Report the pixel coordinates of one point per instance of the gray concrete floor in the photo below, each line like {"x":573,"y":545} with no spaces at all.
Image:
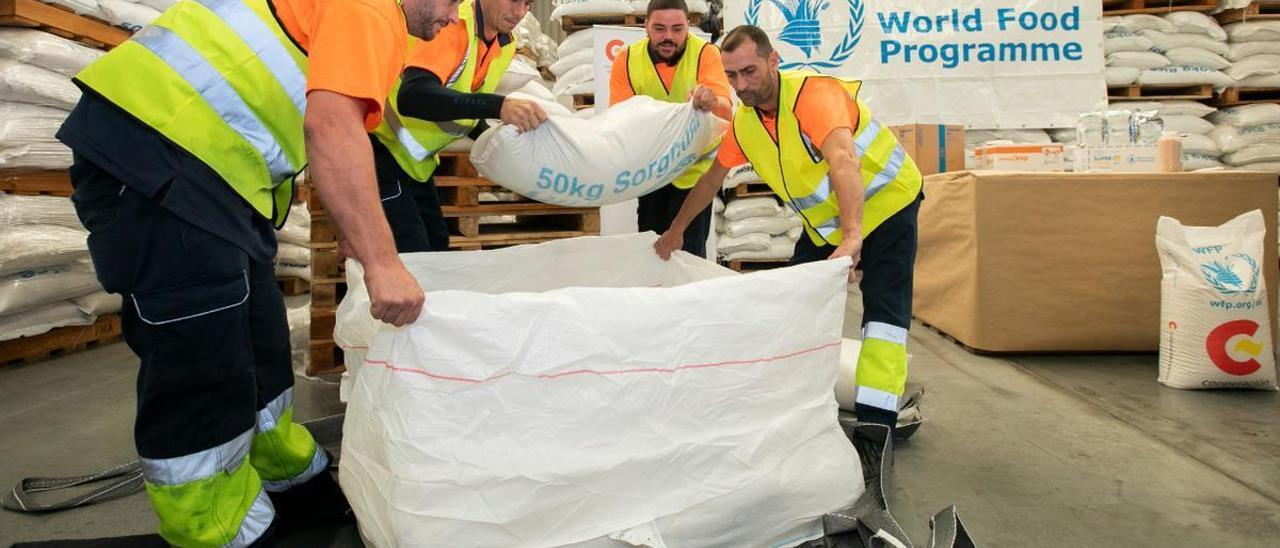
{"x":1034,"y":451}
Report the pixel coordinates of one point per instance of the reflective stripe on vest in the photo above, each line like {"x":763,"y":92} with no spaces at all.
{"x":798,"y":174}
{"x":219,"y":94}
{"x":415,"y":143}
{"x":223,"y":82}
{"x":644,"y":78}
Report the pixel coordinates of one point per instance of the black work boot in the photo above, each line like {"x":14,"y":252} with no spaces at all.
{"x":318,"y":502}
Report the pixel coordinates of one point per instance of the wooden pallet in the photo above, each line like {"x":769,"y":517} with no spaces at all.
{"x":753,"y":265}
{"x":1232,"y":97}
{"x":28,"y":182}
{"x":474,"y":191}
{"x":61,"y":341}
{"x":292,"y":286}
{"x":747,"y":190}
{"x":61,"y":22}
{"x":455,"y":164}
{"x":325,"y":358}
{"x":1129,"y":7}
{"x":1136,"y":92}
{"x":574,"y":23}
{"x":1257,"y":11}
{"x":505,"y":217}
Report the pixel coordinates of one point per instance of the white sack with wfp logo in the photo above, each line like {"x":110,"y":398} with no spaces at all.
{"x":627,"y":151}
{"x":585,"y":393}
{"x":1215,"y":321}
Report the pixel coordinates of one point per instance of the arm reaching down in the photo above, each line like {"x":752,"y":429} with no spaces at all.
{"x":698,"y":199}
{"x":341,"y":166}
{"x":846,"y":181}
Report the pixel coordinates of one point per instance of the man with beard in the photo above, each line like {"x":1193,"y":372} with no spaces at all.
{"x":670,"y":65}
{"x":187,"y":141}
{"x":445,"y":93}
{"x":815,"y":143}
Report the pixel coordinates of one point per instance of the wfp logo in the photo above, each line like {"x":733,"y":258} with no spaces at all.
{"x":803,"y":29}
{"x":1232,"y":276}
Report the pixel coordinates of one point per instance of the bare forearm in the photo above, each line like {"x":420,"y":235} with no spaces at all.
{"x":341,"y":164}
{"x":846,"y":180}
{"x":723,"y":108}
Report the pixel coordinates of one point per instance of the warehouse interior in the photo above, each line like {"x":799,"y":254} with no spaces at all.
{"x":1087,"y":198}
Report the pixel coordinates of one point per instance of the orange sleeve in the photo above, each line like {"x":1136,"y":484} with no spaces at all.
{"x":442,"y":55}
{"x":824,"y":106}
{"x":711,"y":72}
{"x":357,"y":49}
{"x":730,"y":155}
{"x":619,"y":82}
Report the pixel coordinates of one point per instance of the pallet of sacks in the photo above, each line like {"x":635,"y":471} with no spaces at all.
{"x":754,"y":231}
{"x":47,"y":281}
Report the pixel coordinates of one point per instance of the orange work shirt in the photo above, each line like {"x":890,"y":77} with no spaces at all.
{"x":354,"y":47}
{"x":710,"y":74}
{"x":822,"y":107}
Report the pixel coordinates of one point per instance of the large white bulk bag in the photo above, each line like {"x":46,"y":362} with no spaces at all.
{"x":1241,"y":50}
{"x":1187,"y":124}
{"x":1121,"y":76}
{"x":1232,"y":139}
{"x":591,"y":7}
{"x":1213,"y":305}
{"x":1165,"y":41}
{"x":629,"y":150}
{"x":1191,"y":22}
{"x":36,"y":156}
{"x":1196,"y":57}
{"x":585,"y":389}
{"x":750,"y":242}
{"x":293,"y":260}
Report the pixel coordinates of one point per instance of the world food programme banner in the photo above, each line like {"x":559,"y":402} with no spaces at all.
{"x":981,"y":63}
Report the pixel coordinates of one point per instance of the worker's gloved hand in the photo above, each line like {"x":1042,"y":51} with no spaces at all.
{"x":394,"y":294}
{"x":702,"y":98}
{"x":522,"y":113}
{"x":850,"y":246}
{"x":670,"y":241}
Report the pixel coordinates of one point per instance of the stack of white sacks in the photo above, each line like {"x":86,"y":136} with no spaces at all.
{"x":1179,"y":48}
{"x":46,"y":278}
{"x":1254,"y":51}
{"x":1249,"y":136}
{"x":293,"y":257}
{"x":36,"y":95}
{"x":755,"y":228}
{"x":574,"y":69}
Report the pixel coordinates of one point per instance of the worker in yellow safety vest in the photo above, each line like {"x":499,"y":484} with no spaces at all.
{"x":445,"y":94}
{"x":186,"y":143}
{"x":815,"y":144}
{"x":672,"y":66}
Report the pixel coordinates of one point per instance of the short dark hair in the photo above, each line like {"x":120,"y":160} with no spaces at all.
{"x":744,"y":33}
{"x":655,"y":5}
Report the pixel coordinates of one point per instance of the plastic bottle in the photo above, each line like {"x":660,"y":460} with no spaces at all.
{"x":1169,"y":153}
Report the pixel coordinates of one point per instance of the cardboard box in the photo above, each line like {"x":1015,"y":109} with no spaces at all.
{"x":1021,"y":157}
{"x":1116,"y":159}
{"x":936,"y":148}
{"x":1049,"y":262}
